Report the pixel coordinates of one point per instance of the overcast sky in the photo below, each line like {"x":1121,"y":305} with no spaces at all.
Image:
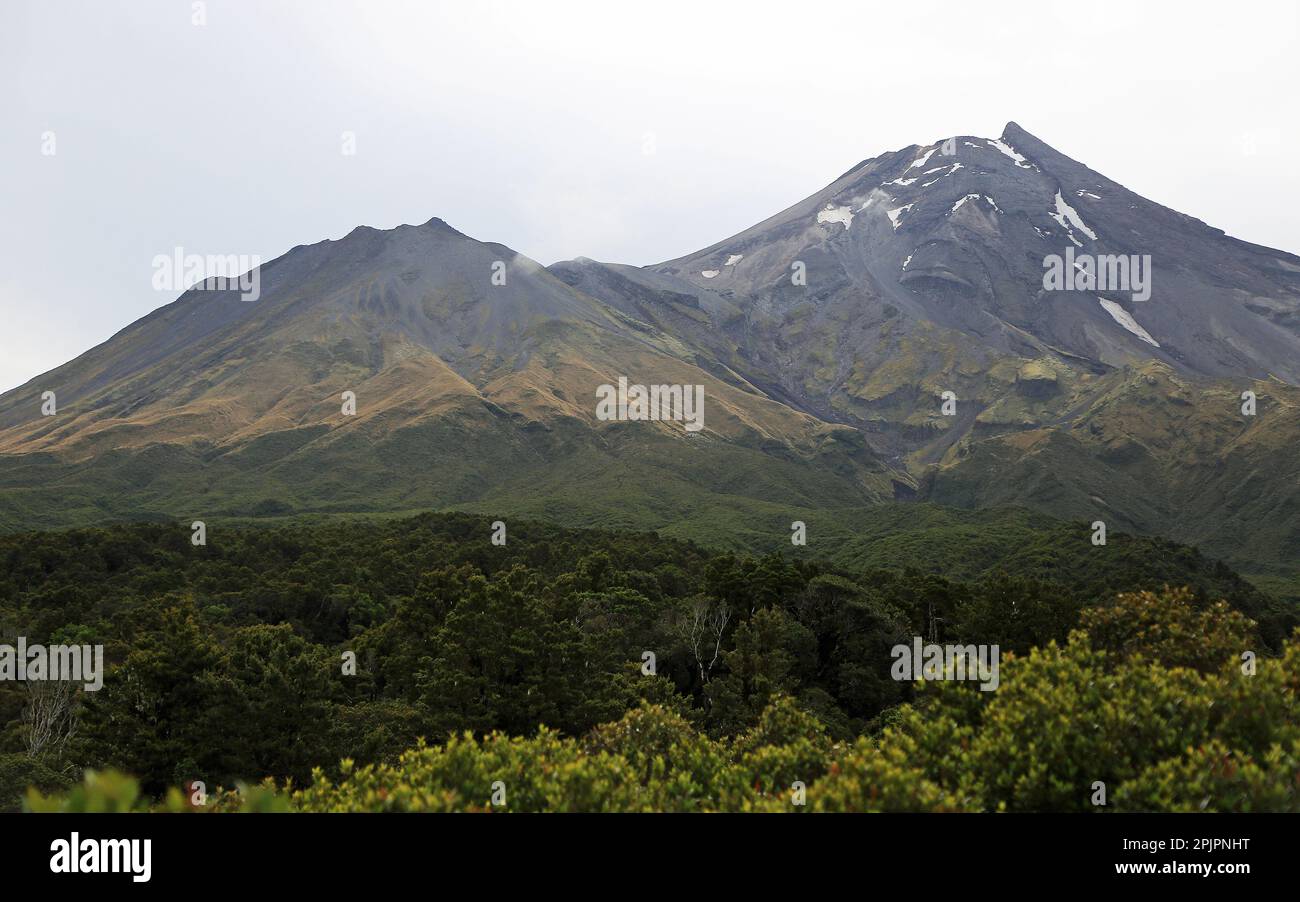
{"x":625,"y":132}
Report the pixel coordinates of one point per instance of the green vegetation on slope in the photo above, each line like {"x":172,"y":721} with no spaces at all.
{"x":227,"y":661}
{"x":1143,"y":709}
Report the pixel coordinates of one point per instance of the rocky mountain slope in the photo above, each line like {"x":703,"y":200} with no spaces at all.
{"x":474,"y":373}
{"x":825,"y":339}
{"x":924,"y":273}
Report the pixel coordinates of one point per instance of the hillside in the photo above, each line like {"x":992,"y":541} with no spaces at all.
{"x":824,"y":341}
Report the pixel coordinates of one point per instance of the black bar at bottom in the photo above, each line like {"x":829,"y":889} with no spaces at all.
{"x":336,"y":851}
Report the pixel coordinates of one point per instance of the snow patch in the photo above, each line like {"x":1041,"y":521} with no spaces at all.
{"x":894,"y":215}
{"x":991,"y":203}
{"x":836,"y":214}
{"x":907,"y":261}
{"x":734,"y":259}
{"x":1012,"y":153}
{"x":1125,"y":319}
{"x":951,"y":169}
{"x":903,"y":182}
{"x":1082,"y":193}
{"x":922,"y":160}
{"x":1069,"y":220}
{"x":709,"y":273}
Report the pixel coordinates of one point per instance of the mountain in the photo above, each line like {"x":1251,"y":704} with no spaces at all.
{"x":466,"y":390}
{"x":824,"y":338}
{"x":925,"y":274}
{"x":951,"y":238}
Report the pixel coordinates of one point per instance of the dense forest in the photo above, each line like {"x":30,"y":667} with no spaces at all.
{"x":416,"y":665}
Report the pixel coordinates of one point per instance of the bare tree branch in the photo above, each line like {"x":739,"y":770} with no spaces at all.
{"x":49,"y":720}
{"x":706,"y":625}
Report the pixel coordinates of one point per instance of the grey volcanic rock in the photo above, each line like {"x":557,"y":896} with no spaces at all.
{"x":925,"y":274}
{"x":959,"y":241}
